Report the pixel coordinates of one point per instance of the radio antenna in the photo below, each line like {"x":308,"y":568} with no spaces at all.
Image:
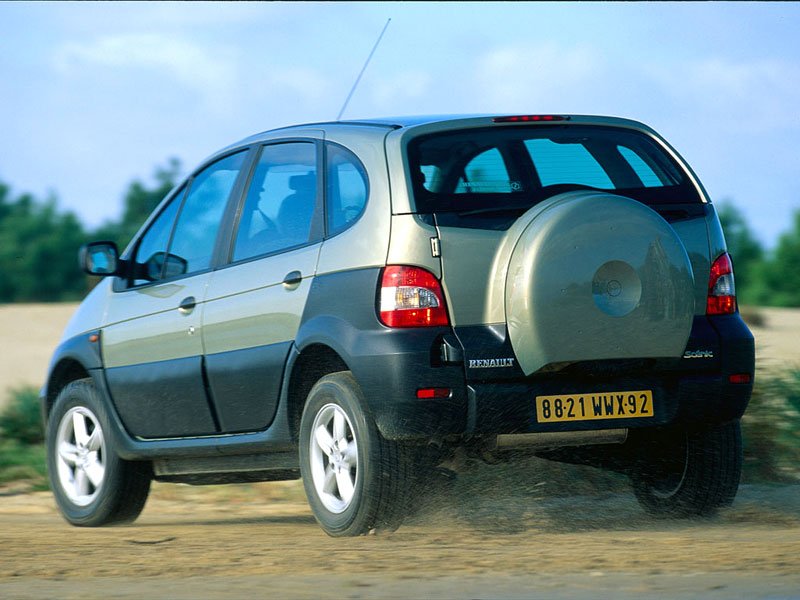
{"x":364,"y":68}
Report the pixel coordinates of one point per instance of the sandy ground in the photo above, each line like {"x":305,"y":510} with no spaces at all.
{"x":778,"y":340}
{"x":201,"y":543}
{"x":28,"y":335}
{"x":260,"y":540}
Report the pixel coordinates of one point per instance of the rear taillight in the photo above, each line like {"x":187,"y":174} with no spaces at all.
{"x":721,"y":289}
{"x":411,"y":297}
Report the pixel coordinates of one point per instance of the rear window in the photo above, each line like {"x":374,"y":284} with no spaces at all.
{"x":516,"y":167}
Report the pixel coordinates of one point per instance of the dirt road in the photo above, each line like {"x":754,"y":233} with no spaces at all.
{"x":254,"y":541}
{"x":261,"y":541}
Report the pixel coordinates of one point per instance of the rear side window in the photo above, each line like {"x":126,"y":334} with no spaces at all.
{"x":346,"y":188}
{"x":516,"y":167}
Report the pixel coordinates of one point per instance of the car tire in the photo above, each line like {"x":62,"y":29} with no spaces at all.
{"x":355,"y":480}
{"x":695,"y":473}
{"x":92,"y":485}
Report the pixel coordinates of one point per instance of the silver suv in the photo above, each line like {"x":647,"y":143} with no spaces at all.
{"x":355,"y":302}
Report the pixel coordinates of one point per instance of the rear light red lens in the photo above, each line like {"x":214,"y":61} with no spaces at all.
{"x":431,"y":393}
{"x":411,"y":297}
{"x":530,"y":118}
{"x":740,"y":378}
{"x":721,"y":288}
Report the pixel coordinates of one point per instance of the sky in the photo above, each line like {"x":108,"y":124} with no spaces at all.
{"x":94,"y":95}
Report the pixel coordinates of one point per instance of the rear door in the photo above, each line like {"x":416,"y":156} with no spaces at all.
{"x":254,"y":305}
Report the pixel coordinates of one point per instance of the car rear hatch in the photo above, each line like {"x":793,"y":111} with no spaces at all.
{"x":560,"y":239}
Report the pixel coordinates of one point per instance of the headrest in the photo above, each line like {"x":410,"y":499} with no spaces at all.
{"x":303,"y":183}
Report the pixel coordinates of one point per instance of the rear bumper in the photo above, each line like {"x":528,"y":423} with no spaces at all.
{"x":689,"y":400}
{"x":693,"y":390}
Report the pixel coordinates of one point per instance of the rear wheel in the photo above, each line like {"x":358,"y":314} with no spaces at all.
{"x":92,"y":485}
{"x":690,"y":473}
{"x":354,"y":479}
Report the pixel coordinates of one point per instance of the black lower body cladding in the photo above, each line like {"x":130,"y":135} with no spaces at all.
{"x":702,"y":387}
{"x":391,"y":365}
{"x":711,"y":383}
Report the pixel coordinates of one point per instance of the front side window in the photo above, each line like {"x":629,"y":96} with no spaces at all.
{"x":281,"y":204}
{"x":152,"y":248}
{"x":195,"y":233}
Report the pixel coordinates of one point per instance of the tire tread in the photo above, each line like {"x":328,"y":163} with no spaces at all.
{"x":714,"y":468}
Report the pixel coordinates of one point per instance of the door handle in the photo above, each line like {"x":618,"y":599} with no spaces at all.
{"x":292,"y":279}
{"x":187,"y":305}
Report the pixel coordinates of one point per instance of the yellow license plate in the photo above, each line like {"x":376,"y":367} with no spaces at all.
{"x":593,"y":406}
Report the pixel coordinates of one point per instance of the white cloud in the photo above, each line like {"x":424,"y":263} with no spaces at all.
{"x":209,"y":71}
{"x":536,"y":75}
{"x":753,"y":95}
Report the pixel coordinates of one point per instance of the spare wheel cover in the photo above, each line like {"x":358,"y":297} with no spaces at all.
{"x":597,"y":276}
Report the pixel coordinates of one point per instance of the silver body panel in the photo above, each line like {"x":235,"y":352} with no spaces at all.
{"x":145,"y":325}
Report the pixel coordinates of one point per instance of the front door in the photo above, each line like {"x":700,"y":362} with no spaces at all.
{"x":152,"y":345}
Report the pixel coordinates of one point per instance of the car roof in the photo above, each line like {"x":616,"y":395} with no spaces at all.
{"x":413,"y":124}
{"x":379,"y":122}
{"x":409,"y":121}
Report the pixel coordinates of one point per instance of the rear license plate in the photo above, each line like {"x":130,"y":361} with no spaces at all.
{"x":593,"y":406}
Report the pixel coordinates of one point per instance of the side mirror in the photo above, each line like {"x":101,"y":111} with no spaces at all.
{"x":100,"y":258}
{"x":162,"y":266}
{"x":175,"y":265}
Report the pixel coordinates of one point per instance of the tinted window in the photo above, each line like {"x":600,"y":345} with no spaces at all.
{"x":504,"y":168}
{"x":566,"y":163}
{"x":279,"y":210}
{"x":346,"y":189}
{"x":643,"y":171}
{"x":153,"y":244}
{"x":485,"y":173}
{"x":198,"y":223}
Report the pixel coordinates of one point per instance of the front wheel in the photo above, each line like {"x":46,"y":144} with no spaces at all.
{"x":92,"y":485}
{"x":354,"y":479}
{"x":689,"y":472}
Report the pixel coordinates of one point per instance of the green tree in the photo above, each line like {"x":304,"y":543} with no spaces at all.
{"x":139,"y":201}
{"x":38,"y":245}
{"x":745,"y":250}
{"x":782,"y":272}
